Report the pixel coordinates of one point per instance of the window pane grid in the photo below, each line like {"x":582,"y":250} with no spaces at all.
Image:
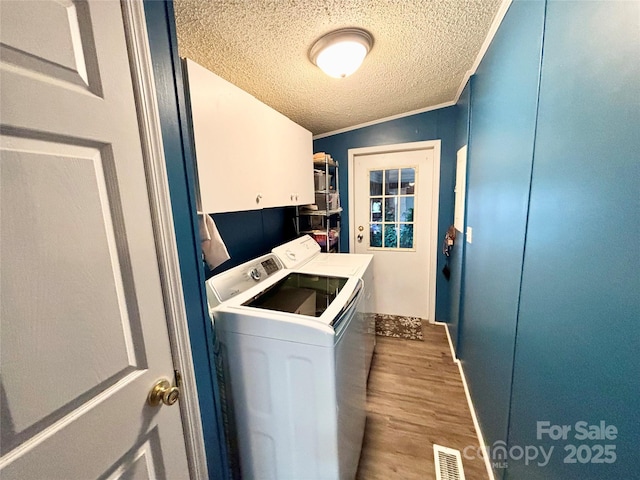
{"x":391,"y":208}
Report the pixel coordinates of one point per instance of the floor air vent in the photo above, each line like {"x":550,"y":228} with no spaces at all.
{"x":448,"y":463}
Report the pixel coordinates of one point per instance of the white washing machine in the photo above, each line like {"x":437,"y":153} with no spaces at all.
{"x":292,"y":353}
{"x":303,"y":255}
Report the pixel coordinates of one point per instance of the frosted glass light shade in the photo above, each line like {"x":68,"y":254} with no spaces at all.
{"x":340,"y":53}
{"x":341,"y":59}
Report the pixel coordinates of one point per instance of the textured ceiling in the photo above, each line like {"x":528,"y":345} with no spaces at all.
{"x":422,"y":50}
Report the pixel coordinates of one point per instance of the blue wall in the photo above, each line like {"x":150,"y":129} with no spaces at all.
{"x":578,"y":330}
{"x":178,"y":154}
{"x":456,"y":255}
{"x":253,"y":233}
{"x":433,"y":125}
{"x":549,"y":322}
{"x":504,"y":95}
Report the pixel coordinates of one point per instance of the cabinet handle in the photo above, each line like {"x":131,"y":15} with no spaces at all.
{"x":258,"y":198}
{"x":292,"y":196}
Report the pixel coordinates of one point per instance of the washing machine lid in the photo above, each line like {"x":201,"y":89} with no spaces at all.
{"x":300,"y":293}
{"x":297,"y":252}
{"x":325,"y":264}
{"x":237,"y":313}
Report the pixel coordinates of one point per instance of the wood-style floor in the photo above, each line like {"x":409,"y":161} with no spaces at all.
{"x":415,"y":398}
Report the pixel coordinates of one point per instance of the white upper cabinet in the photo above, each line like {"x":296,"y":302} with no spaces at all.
{"x":290,"y":164}
{"x":249,"y":156}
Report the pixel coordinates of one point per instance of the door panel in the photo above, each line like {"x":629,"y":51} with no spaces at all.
{"x":58,"y":48}
{"x":393,"y":194}
{"x":83,"y":327}
{"x":139,"y":464}
{"x":51,"y":187}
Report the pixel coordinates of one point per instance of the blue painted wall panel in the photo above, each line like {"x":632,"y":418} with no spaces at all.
{"x":578,"y":329}
{"x":503,"y":113}
{"x":434,"y":125}
{"x":252,"y":233}
{"x":456,"y":254}
{"x":178,"y":156}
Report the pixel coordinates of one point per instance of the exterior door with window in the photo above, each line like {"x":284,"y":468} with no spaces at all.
{"x":394,"y":205}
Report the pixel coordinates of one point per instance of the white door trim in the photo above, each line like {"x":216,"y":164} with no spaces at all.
{"x":433,"y":240}
{"x":163,"y":227}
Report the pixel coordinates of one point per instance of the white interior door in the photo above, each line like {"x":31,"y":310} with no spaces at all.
{"x":83,"y":326}
{"x":394,"y":200}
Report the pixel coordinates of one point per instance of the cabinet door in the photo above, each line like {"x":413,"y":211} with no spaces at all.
{"x":289,"y":180}
{"x":300,"y":164}
{"x":249,"y":156}
{"x":227,"y":127}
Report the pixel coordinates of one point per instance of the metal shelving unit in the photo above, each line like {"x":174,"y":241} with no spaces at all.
{"x":323,"y":224}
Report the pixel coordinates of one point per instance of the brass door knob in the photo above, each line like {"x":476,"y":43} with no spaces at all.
{"x":163,"y":392}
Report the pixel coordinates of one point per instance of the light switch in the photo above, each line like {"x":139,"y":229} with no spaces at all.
{"x":469,"y":235}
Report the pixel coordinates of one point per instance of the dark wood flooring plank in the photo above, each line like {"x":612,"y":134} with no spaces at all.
{"x":415,"y":398}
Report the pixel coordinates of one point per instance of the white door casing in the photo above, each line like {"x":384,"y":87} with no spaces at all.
{"x":405,"y":277}
{"x":86,"y":288}
{"x":460,"y":189}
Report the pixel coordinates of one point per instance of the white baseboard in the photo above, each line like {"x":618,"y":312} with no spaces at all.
{"x":483,"y":445}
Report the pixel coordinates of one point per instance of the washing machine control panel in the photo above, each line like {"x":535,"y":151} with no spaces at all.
{"x":239,"y":279}
{"x":263,"y":269}
{"x":270,"y":266}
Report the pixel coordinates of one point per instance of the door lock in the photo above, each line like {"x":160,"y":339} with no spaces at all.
{"x":360,"y":238}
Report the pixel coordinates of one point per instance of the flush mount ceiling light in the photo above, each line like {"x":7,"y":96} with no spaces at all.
{"x":340,"y":53}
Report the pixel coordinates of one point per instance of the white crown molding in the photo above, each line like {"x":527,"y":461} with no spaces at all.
{"x":382,"y":120}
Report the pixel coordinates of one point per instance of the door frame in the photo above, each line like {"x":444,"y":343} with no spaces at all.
{"x":163,"y":227}
{"x":434,"y":145}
